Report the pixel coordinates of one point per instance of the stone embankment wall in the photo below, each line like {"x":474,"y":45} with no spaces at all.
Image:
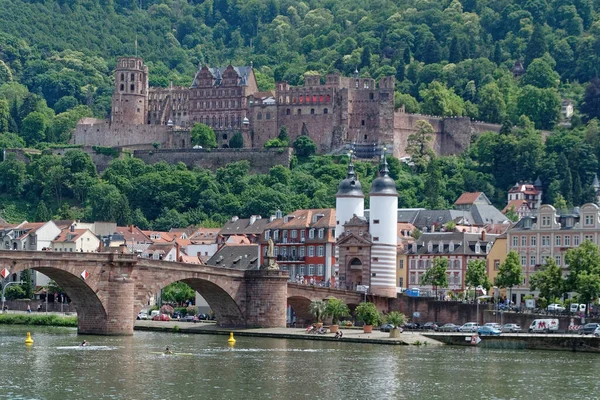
{"x":261,"y":161}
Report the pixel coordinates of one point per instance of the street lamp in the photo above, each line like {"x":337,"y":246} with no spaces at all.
{"x":4,"y":288}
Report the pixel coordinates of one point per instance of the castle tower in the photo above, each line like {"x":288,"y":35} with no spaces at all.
{"x":349,"y":201}
{"x":596,"y":186}
{"x":383,"y":225}
{"x":130,"y":98}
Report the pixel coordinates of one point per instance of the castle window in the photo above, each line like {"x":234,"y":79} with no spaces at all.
{"x":268,"y":115}
{"x":122,"y":77}
{"x":375,"y":221}
{"x":288,"y":111}
{"x":299,"y":112}
{"x":301,"y":99}
{"x":294,"y":100}
{"x":321,"y":98}
{"x":325,"y":111}
{"x":328,"y":98}
{"x":307,"y":98}
{"x":259,"y":116}
{"x":366,"y":137}
{"x":362,"y":122}
{"x":314,"y":98}
{"x":132,"y":88}
{"x":122,"y":87}
{"x":312,"y":110}
{"x":366,"y":85}
{"x":370,"y":96}
{"x":132,"y":77}
{"x":224,"y":136}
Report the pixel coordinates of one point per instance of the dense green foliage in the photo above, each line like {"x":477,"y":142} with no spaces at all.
{"x":37,"y":319}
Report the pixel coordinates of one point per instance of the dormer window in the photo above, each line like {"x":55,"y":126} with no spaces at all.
{"x":429,"y":247}
{"x":569,"y":221}
{"x":589,"y":220}
{"x":276,"y":234}
{"x":546,"y":220}
{"x":311,"y":233}
{"x":488,"y":248}
{"x":267,"y":234}
{"x":441,"y":247}
{"x":451,"y":247}
{"x":414,"y":247}
{"x":527,"y":223}
{"x":477,"y":248}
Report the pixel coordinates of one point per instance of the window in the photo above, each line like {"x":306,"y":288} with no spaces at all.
{"x":275,"y":234}
{"x":567,"y":240}
{"x":311,"y":251}
{"x":545,"y":241}
{"x":302,"y":234}
{"x":375,"y":221}
{"x":557,"y":259}
{"x":589,"y":220}
{"x":413,"y":278}
{"x":311,"y":269}
{"x":376,"y":238}
{"x":515,"y":241}
{"x":320,"y":251}
{"x":496,"y":265}
{"x":267,"y":234}
{"x":321,"y":233}
{"x":311,"y":233}
{"x":477,"y":248}
{"x":558,"y":240}
{"x":523,"y":261}
{"x":312,"y":111}
{"x":546,"y":220}
{"x":401,"y":264}
{"x":288,"y":111}
{"x":299,"y":111}
{"x":325,"y":111}
{"x":320,"y":270}
{"x":523,"y":241}
{"x":302,"y":270}
{"x":301,"y":252}
{"x":533,"y":241}
{"x":362,"y":122}
{"x":576,"y":240}
{"x":588,"y":237}
{"x":532,"y":260}
{"x":268,"y":115}
{"x":294,"y":234}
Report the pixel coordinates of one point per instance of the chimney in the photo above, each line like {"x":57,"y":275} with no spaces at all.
{"x":131,"y":228}
{"x":235,"y":218}
{"x":483,"y":236}
{"x":177,"y":251}
{"x":72,"y":228}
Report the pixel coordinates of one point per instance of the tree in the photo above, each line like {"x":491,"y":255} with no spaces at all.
{"x":540,"y":74}
{"x":27,"y":284}
{"x":537,"y":45}
{"x":33,"y":128}
{"x":436,"y":275}
{"x":441,"y":101}
{"x":433,"y":188}
{"x":418,"y":146}
{"x":304,"y":146}
{"x":12,"y":175}
{"x":549,"y":281}
{"x":476,"y":275}
{"x":108,"y":204}
{"x":203,"y":135}
{"x":178,"y":292}
{"x":236,"y":141}
{"x":367,"y":312}
{"x":4,"y":115}
{"x":542,"y":106}
{"x":336,"y":309}
{"x":283,"y":134}
{"x":584,"y":271}
{"x":591,"y":99}
{"x":411,"y":105}
{"x":317,"y":309}
{"x":510,"y":273}
{"x":42,"y":213}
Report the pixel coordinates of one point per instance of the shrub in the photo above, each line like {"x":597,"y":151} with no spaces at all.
{"x":367,"y":312}
{"x":336,"y":309}
{"x":36,"y":319}
{"x":167,"y":309}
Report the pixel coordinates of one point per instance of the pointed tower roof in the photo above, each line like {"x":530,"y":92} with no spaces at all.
{"x":350,"y":187}
{"x":383,"y":185}
{"x":596,"y":183}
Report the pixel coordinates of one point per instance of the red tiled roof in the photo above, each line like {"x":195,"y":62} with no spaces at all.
{"x":516,"y":204}
{"x":468,"y":198}
{"x":64,"y":235}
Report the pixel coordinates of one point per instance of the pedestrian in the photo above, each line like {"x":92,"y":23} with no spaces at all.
{"x":28,"y":308}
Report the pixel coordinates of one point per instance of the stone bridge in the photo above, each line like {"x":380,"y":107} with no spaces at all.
{"x":118,"y":286}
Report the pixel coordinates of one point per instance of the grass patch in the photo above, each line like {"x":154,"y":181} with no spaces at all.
{"x":43,"y":320}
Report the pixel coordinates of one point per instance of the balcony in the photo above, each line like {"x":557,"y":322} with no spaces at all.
{"x":290,"y":258}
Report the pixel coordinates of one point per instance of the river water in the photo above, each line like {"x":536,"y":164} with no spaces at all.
{"x":256,"y":368}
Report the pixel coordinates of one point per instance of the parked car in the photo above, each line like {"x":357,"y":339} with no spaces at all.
{"x":511,"y":328}
{"x":189,"y":318}
{"x":449,"y":327}
{"x":555,"y":308}
{"x":176,"y":315}
{"x":543,"y":326}
{"x":142,"y":315}
{"x":388,"y":328}
{"x":202,"y":317}
{"x":469,"y":327}
{"x":577,"y":308}
{"x":589,"y":329}
{"x":488,"y":331}
{"x":597,"y":332}
{"x":430,"y":326}
{"x":411,"y":326}
{"x":161,"y":317}
{"x":494,"y":325}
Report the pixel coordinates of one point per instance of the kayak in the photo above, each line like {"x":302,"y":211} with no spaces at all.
{"x":171,"y":354}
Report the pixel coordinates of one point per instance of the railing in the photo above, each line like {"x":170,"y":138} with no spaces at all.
{"x":290,"y":258}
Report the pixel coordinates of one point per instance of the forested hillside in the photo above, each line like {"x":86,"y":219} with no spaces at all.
{"x":448,"y":57}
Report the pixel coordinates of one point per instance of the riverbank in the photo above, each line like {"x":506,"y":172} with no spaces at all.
{"x":350,"y":335}
{"x":38,"y":319}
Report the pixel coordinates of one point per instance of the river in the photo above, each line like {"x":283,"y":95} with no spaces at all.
{"x":261,"y":368}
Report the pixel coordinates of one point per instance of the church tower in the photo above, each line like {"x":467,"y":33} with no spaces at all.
{"x":130,"y":98}
{"x":349,"y":201}
{"x":383,"y":227}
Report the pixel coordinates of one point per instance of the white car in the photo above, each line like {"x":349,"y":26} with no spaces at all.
{"x":494,"y":325}
{"x":469,"y":327}
{"x":597,"y":331}
{"x":142,"y":315}
{"x":556,"y":307}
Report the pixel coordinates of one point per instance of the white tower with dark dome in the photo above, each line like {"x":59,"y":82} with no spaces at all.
{"x":349,"y":201}
{"x":383,"y":222}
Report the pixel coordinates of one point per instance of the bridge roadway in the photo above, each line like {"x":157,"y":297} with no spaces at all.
{"x":109,"y":289}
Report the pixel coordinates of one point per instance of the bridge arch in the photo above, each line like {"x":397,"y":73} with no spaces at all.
{"x":227,"y":311}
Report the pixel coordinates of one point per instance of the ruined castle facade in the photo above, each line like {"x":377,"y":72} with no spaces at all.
{"x":334,"y":111}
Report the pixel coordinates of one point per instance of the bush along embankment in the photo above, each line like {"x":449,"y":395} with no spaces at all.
{"x":36,"y":319}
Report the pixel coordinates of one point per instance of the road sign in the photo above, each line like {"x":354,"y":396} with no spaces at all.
{"x":4,"y":273}
{"x":85,"y":274}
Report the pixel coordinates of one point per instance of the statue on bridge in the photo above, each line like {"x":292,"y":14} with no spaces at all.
{"x":270,"y":263}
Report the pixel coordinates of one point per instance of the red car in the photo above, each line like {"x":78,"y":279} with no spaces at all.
{"x":161,"y":317}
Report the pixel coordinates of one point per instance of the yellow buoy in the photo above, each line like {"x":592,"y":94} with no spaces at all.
{"x":231,"y":339}
{"x":28,"y":339}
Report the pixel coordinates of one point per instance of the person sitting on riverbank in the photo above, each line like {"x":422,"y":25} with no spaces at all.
{"x":310,"y":328}
{"x":338,"y":335}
